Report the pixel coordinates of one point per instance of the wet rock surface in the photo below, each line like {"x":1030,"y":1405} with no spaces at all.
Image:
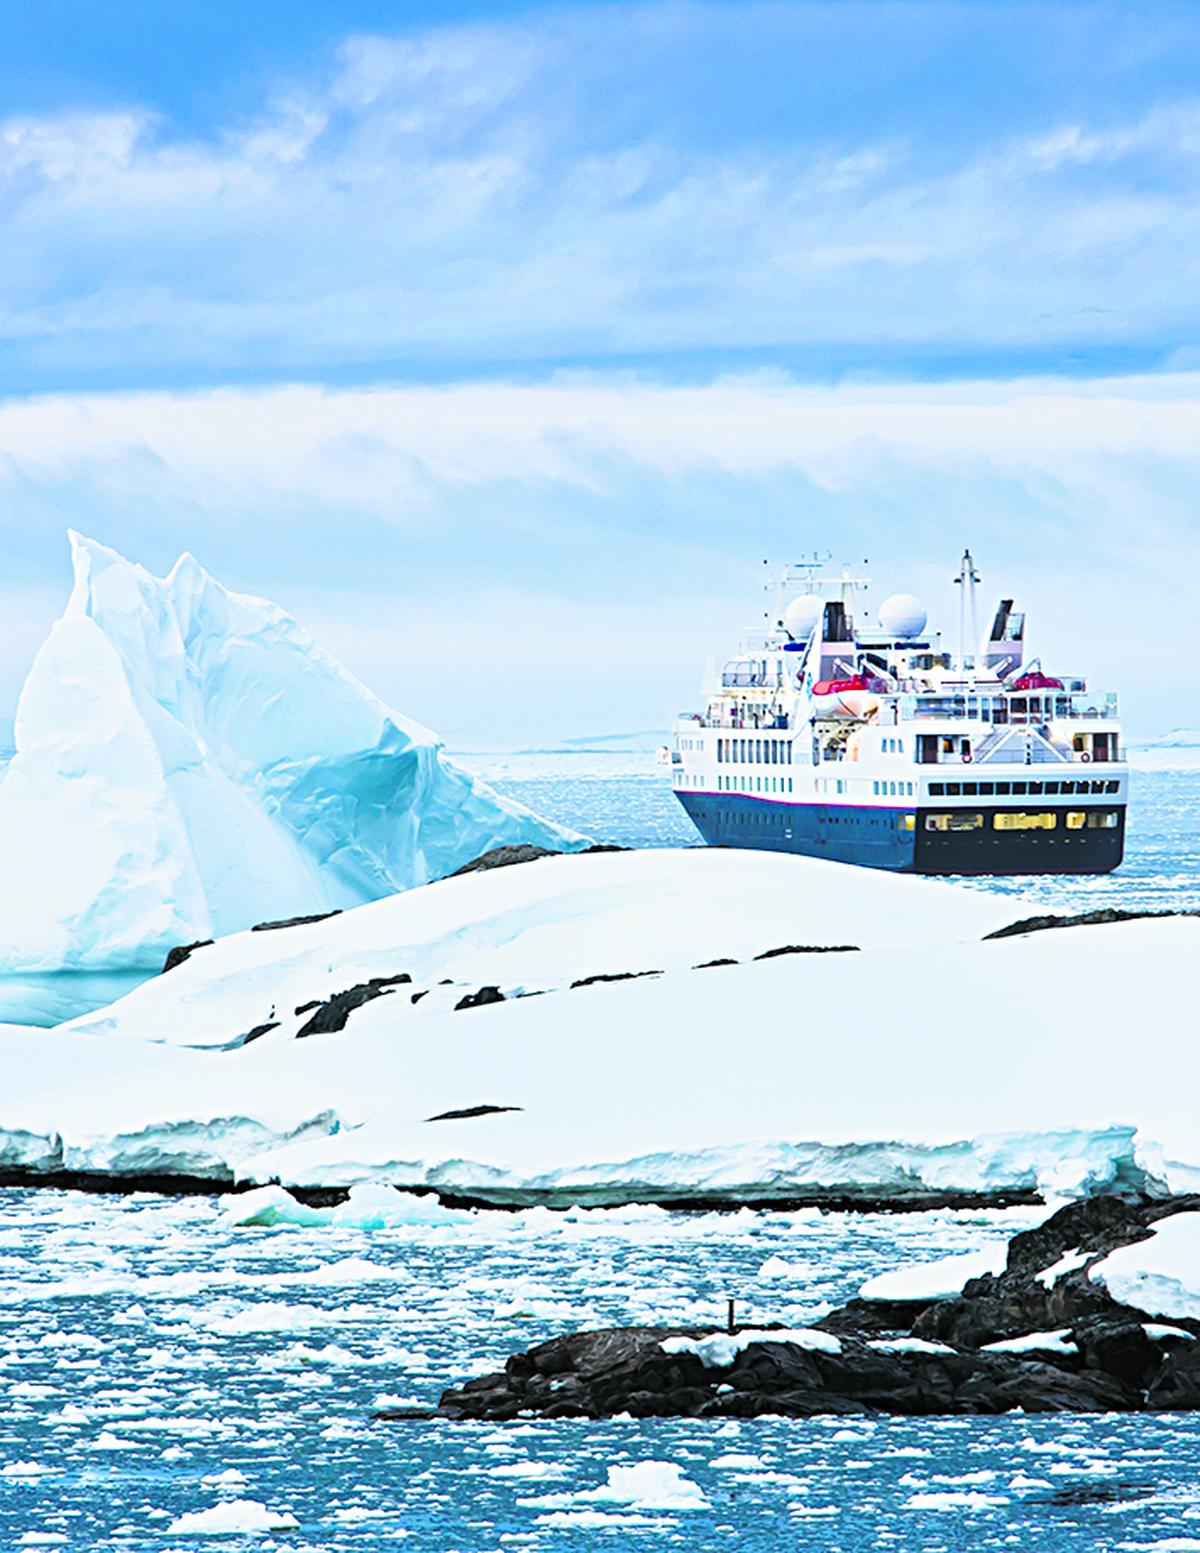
{"x":917,"y":1356}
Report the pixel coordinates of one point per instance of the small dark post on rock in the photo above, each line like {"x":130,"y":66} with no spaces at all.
{"x":731,"y":1303}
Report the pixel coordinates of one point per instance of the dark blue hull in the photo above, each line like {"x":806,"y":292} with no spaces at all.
{"x":900,"y":839}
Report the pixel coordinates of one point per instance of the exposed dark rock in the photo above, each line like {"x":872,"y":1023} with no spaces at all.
{"x":332,"y":1013}
{"x":317,"y":916}
{"x":709,"y":965}
{"x":504,"y":857}
{"x":253,"y":1035}
{"x":1083,"y":919}
{"x":181,"y":952}
{"x":479,"y":999}
{"x":470,"y":1111}
{"x":773,"y":954}
{"x":1111,"y":1363}
{"x":591,"y":981}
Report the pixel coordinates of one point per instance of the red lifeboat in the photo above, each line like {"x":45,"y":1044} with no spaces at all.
{"x":1036,"y":680}
{"x":836,"y":687}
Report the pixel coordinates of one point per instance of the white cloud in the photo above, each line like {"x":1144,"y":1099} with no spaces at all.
{"x":360,"y":447}
{"x":440,"y":196}
{"x":610,"y":529}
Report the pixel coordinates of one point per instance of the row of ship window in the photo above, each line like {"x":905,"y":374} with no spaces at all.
{"x":766,"y":752}
{"x":1004,"y":789}
{"x":889,"y":789}
{"x":728,"y":784}
{"x":1076,"y":819}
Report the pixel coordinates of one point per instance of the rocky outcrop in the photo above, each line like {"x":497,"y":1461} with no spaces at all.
{"x":1073,"y":1349}
{"x":330,"y":1014}
{"x":1099,"y":918}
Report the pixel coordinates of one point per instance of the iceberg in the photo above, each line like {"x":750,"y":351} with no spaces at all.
{"x":189,"y":762}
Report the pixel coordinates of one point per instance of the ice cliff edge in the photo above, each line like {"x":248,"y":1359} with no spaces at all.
{"x":189,"y":762}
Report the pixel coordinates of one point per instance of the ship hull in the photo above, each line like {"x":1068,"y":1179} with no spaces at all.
{"x":875,"y":837}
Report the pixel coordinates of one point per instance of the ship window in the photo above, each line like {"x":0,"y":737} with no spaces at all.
{"x":875,"y":788}
{"x":1076,"y":820}
{"x":970,"y":789}
{"x":986,"y":789}
{"x":959,"y":820}
{"x":937,"y":789}
{"x":1024,"y":821}
{"x":900,"y":745}
{"x":1003,"y":788}
{"x":789,"y":784}
{"x":1067,"y":787}
{"x":1111,"y":787}
{"x":1097,"y":787}
{"x":953,"y":789}
{"x":1102,"y":819}
{"x":1051,"y":787}
{"x":1019,"y":787}
{"x":906,"y":822}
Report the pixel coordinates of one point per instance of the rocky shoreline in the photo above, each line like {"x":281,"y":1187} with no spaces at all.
{"x":1043,"y":1335}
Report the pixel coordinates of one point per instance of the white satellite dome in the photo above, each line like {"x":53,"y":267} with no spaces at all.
{"x":902,"y":615}
{"x":801,"y":616}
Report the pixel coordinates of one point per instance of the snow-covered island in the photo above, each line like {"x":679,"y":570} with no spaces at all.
{"x":669,"y":1026}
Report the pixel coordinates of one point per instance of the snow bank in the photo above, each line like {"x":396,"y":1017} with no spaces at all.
{"x":944,"y":1279}
{"x":895,"y":1073}
{"x":189,"y":762}
{"x":718,"y":1350}
{"x":1161,"y":1275}
{"x":1058,"y":1342}
{"x":545,"y":924}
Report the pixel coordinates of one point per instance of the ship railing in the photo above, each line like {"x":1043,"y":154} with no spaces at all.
{"x":1007,"y":710}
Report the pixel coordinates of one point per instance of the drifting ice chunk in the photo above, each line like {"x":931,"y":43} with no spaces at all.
{"x":189,"y":762}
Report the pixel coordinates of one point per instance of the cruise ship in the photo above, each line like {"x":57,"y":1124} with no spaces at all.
{"x":875,"y":746}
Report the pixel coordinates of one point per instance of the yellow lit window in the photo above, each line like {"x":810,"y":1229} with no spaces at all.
{"x":908,"y":822}
{"x":1024,"y":821}
{"x":956,"y":821}
{"x":1076,"y":820}
{"x":1102,"y":819}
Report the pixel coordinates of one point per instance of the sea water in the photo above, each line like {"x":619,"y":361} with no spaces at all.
{"x":157,"y":1363}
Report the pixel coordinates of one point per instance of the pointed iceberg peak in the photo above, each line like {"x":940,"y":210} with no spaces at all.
{"x":190,"y":762}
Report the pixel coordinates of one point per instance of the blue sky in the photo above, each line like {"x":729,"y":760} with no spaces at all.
{"x":496,"y":335}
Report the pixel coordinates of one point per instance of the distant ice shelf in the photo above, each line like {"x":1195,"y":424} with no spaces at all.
{"x":190,"y":762}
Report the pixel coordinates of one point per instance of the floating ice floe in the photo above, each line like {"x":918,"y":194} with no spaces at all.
{"x":190,"y":762}
{"x":232,"y":1517}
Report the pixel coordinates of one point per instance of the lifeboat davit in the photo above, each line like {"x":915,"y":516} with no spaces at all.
{"x":851,"y":697}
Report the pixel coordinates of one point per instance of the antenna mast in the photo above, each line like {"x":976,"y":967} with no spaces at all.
{"x":967,"y":610}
